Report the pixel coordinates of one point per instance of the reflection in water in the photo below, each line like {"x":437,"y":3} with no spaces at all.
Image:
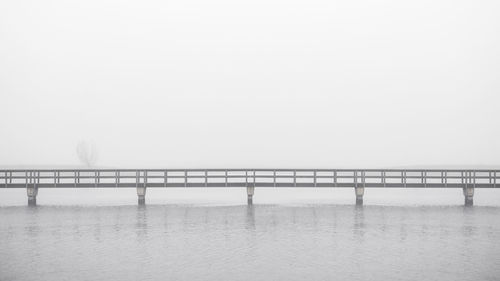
{"x":256,"y":242}
{"x":141,"y":222}
{"x":250,"y":217}
{"x":469,"y":229}
{"x":359,"y":223}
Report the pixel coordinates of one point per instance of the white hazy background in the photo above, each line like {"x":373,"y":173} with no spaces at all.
{"x":232,"y":84}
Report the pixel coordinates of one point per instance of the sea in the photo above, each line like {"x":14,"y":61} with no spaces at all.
{"x":212,"y":234}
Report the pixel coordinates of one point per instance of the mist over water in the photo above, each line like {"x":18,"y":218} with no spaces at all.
{"x":259,"y":242}
{"x":261,"y":84}
{"x":264,"y":84}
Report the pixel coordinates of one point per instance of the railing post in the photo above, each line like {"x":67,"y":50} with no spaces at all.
{"x":165,"y":178}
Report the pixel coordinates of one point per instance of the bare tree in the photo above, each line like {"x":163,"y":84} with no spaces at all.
{"x":87,"y":153}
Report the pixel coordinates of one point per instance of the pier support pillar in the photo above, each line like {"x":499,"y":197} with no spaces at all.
{"x":469,"y":195}
{"x":250,"y":192}
{"x":360,"y":191}
{"x":32,"y":192}
{"x":141,"y":195}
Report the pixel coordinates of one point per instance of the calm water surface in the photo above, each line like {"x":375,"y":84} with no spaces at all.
{"x":263,"y":242}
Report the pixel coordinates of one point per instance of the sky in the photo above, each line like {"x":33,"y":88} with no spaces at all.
{"x":250,"y":84}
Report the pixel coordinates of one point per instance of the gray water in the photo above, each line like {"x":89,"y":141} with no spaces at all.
{"x":260,"y":242}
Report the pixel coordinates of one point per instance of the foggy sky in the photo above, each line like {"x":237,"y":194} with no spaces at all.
{"x":271,"y":83}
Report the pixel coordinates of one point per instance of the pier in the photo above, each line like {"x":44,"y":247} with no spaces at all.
{"x":250,"y":179}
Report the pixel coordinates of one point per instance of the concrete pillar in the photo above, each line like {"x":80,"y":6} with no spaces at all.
{"x":32,"y":192}
{"x":250,"y":192}
{"x":141,"y":195}
{"x":469,"y":195}
{"x":360,"y":191}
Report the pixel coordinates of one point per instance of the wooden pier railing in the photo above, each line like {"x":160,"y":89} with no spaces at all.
{"x":250,"y":178}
